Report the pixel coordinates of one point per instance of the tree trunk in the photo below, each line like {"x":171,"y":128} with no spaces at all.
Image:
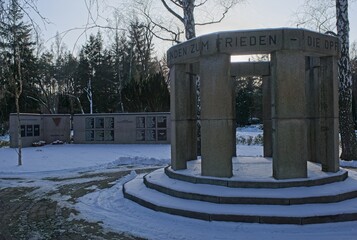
{"x":348,"y":136}
{"x":18,"y":92}
{"x":189,"y":19}
{"x":19,"y":138}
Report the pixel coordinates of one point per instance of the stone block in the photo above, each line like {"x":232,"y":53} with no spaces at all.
{"x":315,"y":42}
{"x":234,"y":218}
{"x":312,"y":140}
{"x":267,"y":138}
{"x":253,"y":42}
{"x":185,"y":52}
{"x":343,"y":217}
{"x":293,"y":39}
{"x":280,"y":220}
{"x":184,"y":213}
{"x":209,"y":44}
{"x":245,"y":69}
{"x":289,"y":148}
{"x":328,"y":106}
{"x":288,"y":84}
{"x":328,"y":144}
{"x":217,"y":92}
{"x":183,"y":143}
{"x":267,"y":111}
{"x":318,"y":199}
{"x":312,"y":86}
{"x":181,"y":177}
{"x":250,"y":42}
{"x":216,"y":148}
{"x":183,"y":93}
{"x":211,"y":181}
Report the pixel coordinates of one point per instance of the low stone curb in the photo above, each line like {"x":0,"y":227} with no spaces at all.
{"x":256,"y":184}
{"x":249,"y":200}
{"x":343,"y":217}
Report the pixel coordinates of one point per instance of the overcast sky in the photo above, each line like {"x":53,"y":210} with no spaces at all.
{"x":68,"y":14}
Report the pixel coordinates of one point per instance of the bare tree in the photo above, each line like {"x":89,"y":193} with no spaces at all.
{"x":319,"y":15}
{"x":15,"y":42}
{"x":12,"y":33}
{"x":187,"y":20}
{"x":186,"y":16}
{"x":348,"y":136}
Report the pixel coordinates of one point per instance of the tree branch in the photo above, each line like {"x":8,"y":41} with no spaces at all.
{"x":201,"y":3}
{"x":214,"y":21}
{"x":177,"y":3}
{"x":175,"y":34}
{"x":172,"y":11}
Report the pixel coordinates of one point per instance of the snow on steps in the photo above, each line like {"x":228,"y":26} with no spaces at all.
{"x":327,"y":193}
{"x":344,"y":210}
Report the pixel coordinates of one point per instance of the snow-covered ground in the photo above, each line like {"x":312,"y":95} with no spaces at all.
{"x":5,"y":138}
{"x":119,"y":214}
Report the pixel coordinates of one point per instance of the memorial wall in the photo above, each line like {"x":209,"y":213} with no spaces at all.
{"x":40,"y":127}
{"x":124,"y":128}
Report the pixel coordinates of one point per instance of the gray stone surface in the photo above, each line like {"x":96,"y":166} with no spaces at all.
{"x":183,"y":116}
{"x":288,"y":85}
{"x":300,"y":98}
{"x":40,"y":127}
{"x":217,"y":121}
{"x":122,"y":128}
{"x":245,"y":69}
{"x":192,"y":192}
{"x":218,"y":212}
{"x":289,"y":148}
{"x":253,"y":42}
{"x":183,"y":143}
{"x":290,"y":152}
{"x":267,"y":119}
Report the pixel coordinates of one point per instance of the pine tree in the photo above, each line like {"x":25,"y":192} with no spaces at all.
{"x":90,"y":59}
{"x":141,"y":46}
{"x":120,"y":66}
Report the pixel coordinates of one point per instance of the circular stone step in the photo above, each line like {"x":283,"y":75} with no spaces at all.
{"x":136,"y":190}
{"x":255,"y":172}
{"x":328,"y":193}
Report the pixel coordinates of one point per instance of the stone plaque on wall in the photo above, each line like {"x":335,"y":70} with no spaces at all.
{"x":161,"y":122}
{"x":140,"y":135}
{"x":90,"y":135}
{"x":99,"y":123}
{"x":140,"y":122}
{"x":29,"y":130}
{"x":162,"y":135}
{"x":150,"y":135}
{"x":99,"y":135}
{"x":150,"y":122}
{"x":23,"y":131}
{"x":36,"y":130}
{"x":109,"y":135}
{"x":109,"y":122}
{"x":89,"y":123}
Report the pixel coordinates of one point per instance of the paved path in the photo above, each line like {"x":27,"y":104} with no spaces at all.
{"x":25,"y":215}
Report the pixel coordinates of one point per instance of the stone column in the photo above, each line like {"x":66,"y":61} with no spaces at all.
{"x":328,"y":144}
{"x":183,"y":116}
{"x":217,"y":121}
{"x":289,"y":115}
{"x":312,"y":82}
{"x":267,"y":122}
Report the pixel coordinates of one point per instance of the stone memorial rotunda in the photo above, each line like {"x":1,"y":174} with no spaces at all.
{"x":298,"y":180}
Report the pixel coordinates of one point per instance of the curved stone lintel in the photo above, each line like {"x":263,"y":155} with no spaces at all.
{"x":254,"y":42}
